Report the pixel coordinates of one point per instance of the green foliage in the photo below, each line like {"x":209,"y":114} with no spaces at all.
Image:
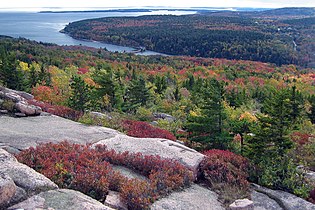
{"x":80,"y":97}
{"x":10,"y":75}
{"x":144,"y":114}
{"x":311,"y":113}
{"x":209,"y":127}
{"x":7,"y":105}
{"x":109,"y":85}
{"x":112,"y":120}
{"x":192,"y":35}
{"x":137,"y":94}
{"x":270,"y":135}
{"x":281,"y":173}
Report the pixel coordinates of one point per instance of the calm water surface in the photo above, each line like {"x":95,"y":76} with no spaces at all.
{"x":45,"y":27}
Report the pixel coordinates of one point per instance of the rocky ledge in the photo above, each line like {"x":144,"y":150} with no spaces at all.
{"x":17,"y":102}
{"x":23,"y":188}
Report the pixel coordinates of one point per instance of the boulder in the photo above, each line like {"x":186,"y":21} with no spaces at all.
{"x":154,"y":146}
{"x":242,"y":204}
{"x":59,"y":200}
{"x":27,"y":109}
{"x":285,"y":200}
{"x":7,"y":190}
{"x":20,"y":101}
{"x":164,"y":116}
{"x":23,"y":176}
{"x":100,"y":115}
{"x":310,"y":175}
{"x":25,"y":95}
{"x":113,"y":200}
{"x":192,"y":198}
{"x":13,"y":97}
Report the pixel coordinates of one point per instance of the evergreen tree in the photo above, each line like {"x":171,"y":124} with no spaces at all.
{"x":10,"y":76}
{"x":270,"y":136}
{"x":137,"y":94}
{"x":311,"y":113}
{"x":208,"y":127}
{"x":111,"y":86}
{"x":160,"y":83}
{"x":80,"y":97}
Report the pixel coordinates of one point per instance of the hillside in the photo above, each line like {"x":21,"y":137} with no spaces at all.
{"x":256,"y":118}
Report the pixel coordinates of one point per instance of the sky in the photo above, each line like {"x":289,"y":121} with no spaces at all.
{"x":28,"y":4}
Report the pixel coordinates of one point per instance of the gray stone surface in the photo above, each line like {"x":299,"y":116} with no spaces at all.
{"x":286,"y":200}
{"x":193,"y":198}
{"x":61,"y":199}
{"x":263,"y":202}
{"x":153,"y":146}
{"x":27,"y":109}
{"x":130,"y":174}
{"x":7,"y":190}
{"x":20,"y":101}
{"x":310,"y":175}
{"x":113,"y":200}
{"x":23,"y":176}
{"x":242,"y":204}
{"x":22,"y":133}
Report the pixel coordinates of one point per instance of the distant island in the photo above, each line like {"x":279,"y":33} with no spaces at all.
{"x":197,"y":9}
{"x":274,"y":36}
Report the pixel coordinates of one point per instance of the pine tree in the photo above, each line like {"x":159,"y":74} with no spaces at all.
{"x":137,"y":94}
{"x":270,"y":136}
{"x":80,"y":96}
{"x":311,"y":113}
{"x":208,"y":127}
{"x":11,"y":76}
{"x":110,"y":85}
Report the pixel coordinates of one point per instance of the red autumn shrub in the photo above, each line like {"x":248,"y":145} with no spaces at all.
{"x":301,"y":138}
{"x":89,"y":171}
{"x":137,"y":194}
{"x":145,"y":130}
{"x":226,"y":173}
{"x":224,"y":166}
{"x":70,"y":166}
{"x":61,"y":111}
{"x":165,"y":175}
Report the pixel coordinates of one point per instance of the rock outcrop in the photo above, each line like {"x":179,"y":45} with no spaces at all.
{"x":17,"y":101}
{"x":60,"y":199}
{"x":153,"y":146}
{"x":24,"y":188}
{"x":19,"y":181}
{"x":195,"y":197}
{"x":7,"y":190}
{"x":263,"y":202}
{"x":22,"y":133}
{"x":285,"y":200}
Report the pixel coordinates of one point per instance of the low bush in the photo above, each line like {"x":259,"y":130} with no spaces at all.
{"x":226,"y":173}
{"x":304,"y":151}
{"x":145,"y":130}
{"x":112,"y":120}
{"x":89,"y":171}
{"x":280,"y":173}
{"x":61,"y":111}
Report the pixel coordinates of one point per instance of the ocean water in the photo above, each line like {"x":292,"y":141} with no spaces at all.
{"x":45,"y":27}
